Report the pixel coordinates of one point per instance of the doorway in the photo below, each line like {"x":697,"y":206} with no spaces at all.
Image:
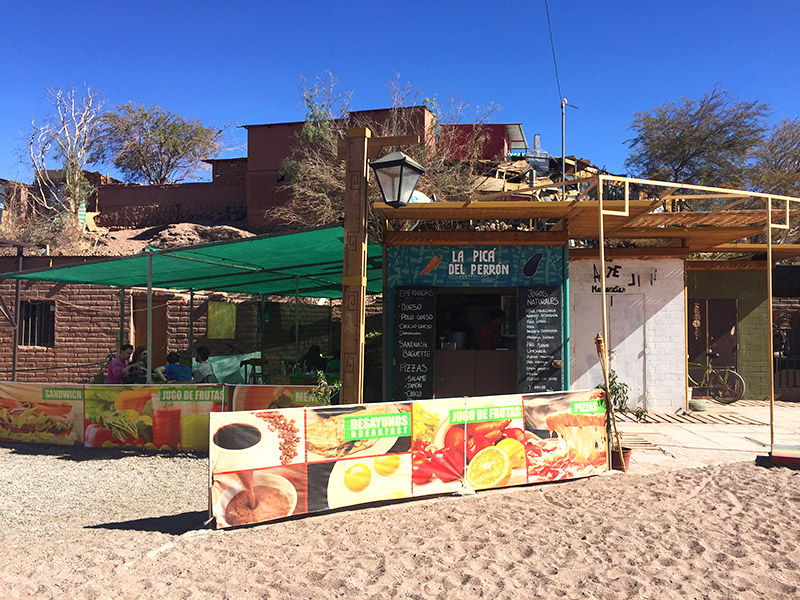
{"x":158,"y":352}
{"x":712,"y":332}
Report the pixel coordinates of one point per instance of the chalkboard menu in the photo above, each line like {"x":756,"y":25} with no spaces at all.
{"x":539,"y":339}
{"x":414,"y":343}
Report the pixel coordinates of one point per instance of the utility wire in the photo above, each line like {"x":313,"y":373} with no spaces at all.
{"x":553,"y":48}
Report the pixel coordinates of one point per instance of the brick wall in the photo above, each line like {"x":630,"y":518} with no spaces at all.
{"x":654,"y":366}
{"x":86,"y":329}
{"x":231,"y":171}
{"x":87,"y":322}
{"x":246,"y":339}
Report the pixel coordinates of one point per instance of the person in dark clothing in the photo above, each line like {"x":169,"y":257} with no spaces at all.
{"x":313,"y":359}
{"x":491,"y":337}
{"x":173,"y":370}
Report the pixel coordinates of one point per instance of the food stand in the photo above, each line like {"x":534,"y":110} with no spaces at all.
{"x":439,"y":301}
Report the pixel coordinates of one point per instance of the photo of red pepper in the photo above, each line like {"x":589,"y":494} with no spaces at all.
{"x":421,"y":471}
{"x":434,"y":262}
{"x":448,"y":464}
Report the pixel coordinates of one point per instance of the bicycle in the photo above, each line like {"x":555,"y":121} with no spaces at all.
{"x":723,"y":384}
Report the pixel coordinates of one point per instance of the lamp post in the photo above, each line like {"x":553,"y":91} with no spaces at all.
{"x":355,"y":149}
{"x":397,"y":176}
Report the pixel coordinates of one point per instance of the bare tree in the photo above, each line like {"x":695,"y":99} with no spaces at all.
{"x":65,"y":137}
{"x":314,"y":173}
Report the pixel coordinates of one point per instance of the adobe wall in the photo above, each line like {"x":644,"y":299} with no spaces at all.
{"x":267,"y":146}
{"x":131,"y":205}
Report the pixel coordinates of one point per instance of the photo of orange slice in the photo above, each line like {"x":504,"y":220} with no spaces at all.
{"x":489,"y":468}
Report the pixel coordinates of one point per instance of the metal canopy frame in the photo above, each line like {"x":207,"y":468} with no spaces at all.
{"x":306,"y":263}
{"x":731,"y":218}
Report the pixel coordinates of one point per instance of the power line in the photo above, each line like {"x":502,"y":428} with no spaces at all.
{"x":553,"y":48}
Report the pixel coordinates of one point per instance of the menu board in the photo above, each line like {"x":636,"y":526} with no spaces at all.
{"x":539,"y":339}
{"x":414,"y":343}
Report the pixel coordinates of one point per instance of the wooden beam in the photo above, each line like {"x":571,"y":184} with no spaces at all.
{"x":690,"y":233}
{"x":656,"y":251}
{"x":783,"y":251}
{"x":726,"y":265}
{"x":467,"y":238}
{"x":354,"y":269}
{"x":627,"y":222}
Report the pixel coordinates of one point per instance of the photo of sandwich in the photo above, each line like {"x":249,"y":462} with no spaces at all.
{"x":35,"y":421}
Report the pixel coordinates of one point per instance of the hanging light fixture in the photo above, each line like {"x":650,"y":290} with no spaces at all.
{"x":397,"y":176}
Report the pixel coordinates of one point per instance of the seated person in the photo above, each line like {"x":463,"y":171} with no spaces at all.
{"x":173,"y":370}
{"x":313,"y":359}
{"x":119,"y":366}
{"x":204,"y":373}
{"x":137,"y":369}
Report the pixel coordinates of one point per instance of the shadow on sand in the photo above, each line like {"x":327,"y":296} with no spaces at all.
{"x":169,"y":524}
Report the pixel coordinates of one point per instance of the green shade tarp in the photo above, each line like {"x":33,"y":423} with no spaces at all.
{"x":308,"y":263}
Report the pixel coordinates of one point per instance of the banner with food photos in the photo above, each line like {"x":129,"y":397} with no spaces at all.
{"x":167,"y":417}
{"x":264,"y":397}
{"x":275,"y":463}
{"x":41,"y":413}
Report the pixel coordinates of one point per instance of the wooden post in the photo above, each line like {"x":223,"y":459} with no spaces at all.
{"x":354,"y":268}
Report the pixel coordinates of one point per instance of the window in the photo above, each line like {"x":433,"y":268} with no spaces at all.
{"x":37,"y":323}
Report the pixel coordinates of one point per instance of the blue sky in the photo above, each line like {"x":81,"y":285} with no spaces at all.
{"x":241,"y":62}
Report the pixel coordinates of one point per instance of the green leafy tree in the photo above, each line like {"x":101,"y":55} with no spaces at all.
{"x":706,"y":141}
{"x":149,"y":144}
{"x":776,"y":168}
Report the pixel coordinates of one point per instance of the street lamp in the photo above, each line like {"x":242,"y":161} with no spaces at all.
{"x":397,"y":176}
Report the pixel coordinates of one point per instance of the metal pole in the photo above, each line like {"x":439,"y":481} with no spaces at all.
{"x":296,"y":320}
{"x":563,"y":151}
{"x":191,"y":327}
{"x":17,"y":305}
{"x":121,"y":317}
{"x":149,"y":317}
{"x":604,"y":309}
{"x":771,"y":325}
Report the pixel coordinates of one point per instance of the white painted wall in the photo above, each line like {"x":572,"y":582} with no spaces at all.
{"x":647,"y":332}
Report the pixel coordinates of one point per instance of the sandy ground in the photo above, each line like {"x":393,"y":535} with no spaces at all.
{"x":116,"y":524}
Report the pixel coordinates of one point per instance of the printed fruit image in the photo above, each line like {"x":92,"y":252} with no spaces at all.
{"x":357,"y":477}
{"x":133,"y":400}
{"x":489,"y":468}
{"x":515,"y":451}
{"x":387,"y":465}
